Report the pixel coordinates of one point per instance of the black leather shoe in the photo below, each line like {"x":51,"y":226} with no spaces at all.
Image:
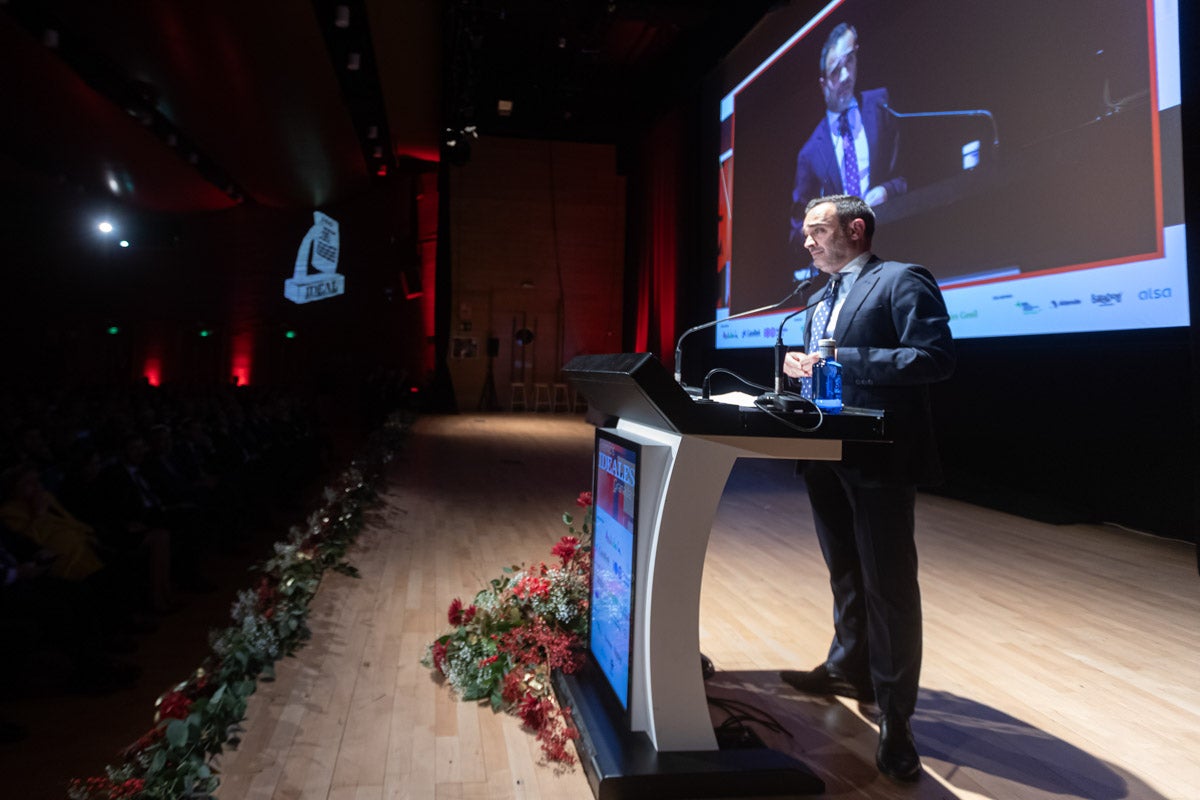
{"x":897,"y":754}
{"x":824,"y":680}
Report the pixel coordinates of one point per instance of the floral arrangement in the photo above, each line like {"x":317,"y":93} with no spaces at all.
{"x":520,"y":627}
{"x":196,"y":719}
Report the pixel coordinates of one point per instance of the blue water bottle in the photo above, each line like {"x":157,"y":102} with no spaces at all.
{"x":827,"y":378}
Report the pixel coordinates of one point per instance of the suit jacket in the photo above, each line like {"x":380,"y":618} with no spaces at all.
{"x":893,"y":340}
{"x":817,"y":171}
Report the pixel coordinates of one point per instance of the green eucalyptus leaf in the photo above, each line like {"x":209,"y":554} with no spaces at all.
{"x":177,"y":733}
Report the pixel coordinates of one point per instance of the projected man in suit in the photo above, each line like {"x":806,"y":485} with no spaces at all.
{"x":893,"y":340}
{"x":858,"y":127}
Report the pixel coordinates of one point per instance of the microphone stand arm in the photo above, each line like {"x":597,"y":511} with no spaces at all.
{"x":977,"y":112}
{"x":800,"y":287}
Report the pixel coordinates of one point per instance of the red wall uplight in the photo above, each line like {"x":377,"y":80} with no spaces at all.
{"x":243,"y":357}
{"x":152,"y":370}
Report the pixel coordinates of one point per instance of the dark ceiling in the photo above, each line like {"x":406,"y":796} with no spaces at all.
{"x":188,"y":106}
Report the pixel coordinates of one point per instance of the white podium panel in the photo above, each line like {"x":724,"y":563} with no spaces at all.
{"x":679,"y":500}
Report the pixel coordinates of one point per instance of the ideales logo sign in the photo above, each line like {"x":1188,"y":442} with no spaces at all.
{"x":319,"y":248}
{"x":619,"y":468}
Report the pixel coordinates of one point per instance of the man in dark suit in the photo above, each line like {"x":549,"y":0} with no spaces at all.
{"x":861,"y":128}
{"x":893,"y":340}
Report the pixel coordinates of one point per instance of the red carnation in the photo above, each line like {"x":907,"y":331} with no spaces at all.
{"x":584,"y":500}
{"x":174,"y":705}
{"x":565,"y":549}
{"x":459,"y":615}
{"x":439,"y":657}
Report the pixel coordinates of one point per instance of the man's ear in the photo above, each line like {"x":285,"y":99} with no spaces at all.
{"x":857,"y":229}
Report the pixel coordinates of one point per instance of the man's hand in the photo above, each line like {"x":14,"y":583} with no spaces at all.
{"x":799,"y":365}
{"x":876,"y":195}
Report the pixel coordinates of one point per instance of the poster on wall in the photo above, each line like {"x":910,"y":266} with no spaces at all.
{"x":464,"y":347}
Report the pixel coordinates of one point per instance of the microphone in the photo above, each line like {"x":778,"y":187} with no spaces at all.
{"x":797,"y":289}
{"x":976,"y":112}
{"x":774,"y":397}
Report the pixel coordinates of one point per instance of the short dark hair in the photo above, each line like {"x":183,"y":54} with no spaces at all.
{"x":848,"y":208}
{"x":837,"y":33}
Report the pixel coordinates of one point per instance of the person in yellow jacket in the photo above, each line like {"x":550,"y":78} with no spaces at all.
{"x":31,"y":511}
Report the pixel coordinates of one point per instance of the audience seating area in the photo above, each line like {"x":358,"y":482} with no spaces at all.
{"x":112,"y":501}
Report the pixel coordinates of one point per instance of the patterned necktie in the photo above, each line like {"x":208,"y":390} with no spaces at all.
{"x":849,"y":156}
{"x":820,"y":322}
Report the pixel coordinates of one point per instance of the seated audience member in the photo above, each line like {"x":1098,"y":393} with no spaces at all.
{"x":28,"y":510}
{"x":40,"y":616}
{"x":133,"y":511}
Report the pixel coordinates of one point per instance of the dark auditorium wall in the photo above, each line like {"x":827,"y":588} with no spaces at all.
{"x":223,"y":271}
{"x":536,"y":241}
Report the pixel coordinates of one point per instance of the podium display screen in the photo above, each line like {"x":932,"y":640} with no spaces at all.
{"x":614,"y":556}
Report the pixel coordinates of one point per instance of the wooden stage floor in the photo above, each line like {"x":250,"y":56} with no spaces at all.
{"x":1060,"y":661}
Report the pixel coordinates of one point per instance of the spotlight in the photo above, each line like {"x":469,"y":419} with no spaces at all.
{"x":105,"y":227}
{"x":124,"y":243}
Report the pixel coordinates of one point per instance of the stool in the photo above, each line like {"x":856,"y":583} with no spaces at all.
{"x":541,"y":394}
{"x":518,"y":396}
{"x":561,"y":398}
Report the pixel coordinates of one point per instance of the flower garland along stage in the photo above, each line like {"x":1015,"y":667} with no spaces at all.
{"x":195,"y":720}
{"x":518,"y":629}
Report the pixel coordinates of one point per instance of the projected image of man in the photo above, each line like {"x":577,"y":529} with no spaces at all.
{"x":855,"y":147}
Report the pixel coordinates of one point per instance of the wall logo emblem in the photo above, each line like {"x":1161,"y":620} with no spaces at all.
{"x":319,"y":249}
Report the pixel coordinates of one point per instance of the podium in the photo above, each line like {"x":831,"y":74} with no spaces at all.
{"x":665,"y":746}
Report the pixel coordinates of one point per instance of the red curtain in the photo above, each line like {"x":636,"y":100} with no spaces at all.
{"x":657,"y":237}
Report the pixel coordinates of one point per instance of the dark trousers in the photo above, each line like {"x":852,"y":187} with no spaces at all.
{"x":867,"y":538}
